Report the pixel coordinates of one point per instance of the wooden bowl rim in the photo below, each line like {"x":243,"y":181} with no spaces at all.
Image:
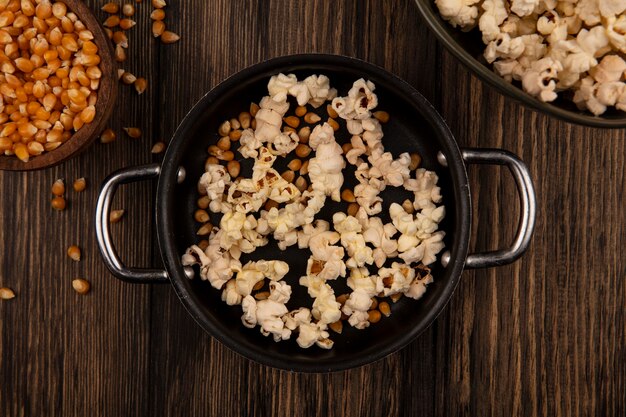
{"x":107,"y":94}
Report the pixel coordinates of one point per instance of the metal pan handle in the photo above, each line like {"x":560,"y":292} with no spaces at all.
{"x":528,"y":203}
{"x":103,"y":231}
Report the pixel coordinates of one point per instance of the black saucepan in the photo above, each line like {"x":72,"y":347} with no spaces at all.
{"x":414,"y":126}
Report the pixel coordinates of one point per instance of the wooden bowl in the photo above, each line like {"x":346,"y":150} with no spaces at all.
{"x":107,"y":93}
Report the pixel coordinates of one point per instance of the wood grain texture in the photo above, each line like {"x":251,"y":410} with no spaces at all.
{"x":542,"y":337}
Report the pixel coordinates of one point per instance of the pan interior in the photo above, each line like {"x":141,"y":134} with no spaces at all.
{"x":413,"y":127}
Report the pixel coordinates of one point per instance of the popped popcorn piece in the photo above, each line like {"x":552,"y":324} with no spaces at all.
{"x":230,"y":295}
{"x":268,"y":315}
{"x":279,"y":85}
{"x":418,"y":287}
{"x":616,"y":32}
{"x":319,"y":89}
{"x":325,"y":169}
{"x":356,"y":307}
{"x":249,"y":144}
{"x":313,"y":333}
{"x":329,"y":258}
{"x":326,"y":309}
{"x":359,"y":102}
{"x":539,"y":80}
{"x":216,"y":264}
{"x":611,"y":68}
{"x":214,"y":181}
{"x":492,"y":17}
{"x":458,"y":12}
{"x":280,"y":292}
{"x":523,"y":7}
{"x":399,"y":276}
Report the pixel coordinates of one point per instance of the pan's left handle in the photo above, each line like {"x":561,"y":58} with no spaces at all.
{"x":103,"y":231}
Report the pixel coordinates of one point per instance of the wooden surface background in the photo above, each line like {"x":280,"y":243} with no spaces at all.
{"x":542,"y":337}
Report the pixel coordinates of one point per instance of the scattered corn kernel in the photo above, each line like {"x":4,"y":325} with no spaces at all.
{"x":407,"y":205}
{"x":336,"y":327}
{"x":107,"y":136}
{"x":416,"y":160}
{"x":81,"y":286}
{"x":333,"y":123}
{"x":295,"y":164}
{"x":110,"y":8}
{"x":133,"y":132}
{"x":300,"y":111}
{"x":292,"y":121}
{"x":303,"y":150}
{"x":140,"y":85}
{"x":348,"y":196}
{"x":384,"y":308}
{"x":158,"y":148}
{"x":373,"y":316}
{"x":301,"y":184}
{"x":158,"y":28}
{"x":224,"y":143}
{"x":382,"y":116}
{"x":58,"y":203}
{"x":224,"y":128}
{"x":74,"y":253}
{"x":244,"y":119}
{"x":353,"y":209}
{"x":116,"y":216}
{"x":304,"y":134}
{"x":201,"y":216}
{"x":205,"y":229}
{"x":58,"y":187}
{"x":157,"y":14}
{"x":79,"y":185}
{"x":234,"y":168}
{"x":305,"y":168}
{"x":331,"y":112}
{"x":6,"y":293}
{"x":311,"y":118}
{"x":128,"y":9}
{"x":263,"y":295}
{"x":127,"y":23}
{"x":169,"y":37}
{"x":203,"y":202}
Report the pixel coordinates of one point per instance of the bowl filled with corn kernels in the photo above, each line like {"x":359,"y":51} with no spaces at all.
{"x":57,"y":81}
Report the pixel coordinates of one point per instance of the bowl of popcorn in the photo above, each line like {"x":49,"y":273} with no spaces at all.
{"x":57,"y":81}
{"x":564,"y":58}
{"x":313,"y":213}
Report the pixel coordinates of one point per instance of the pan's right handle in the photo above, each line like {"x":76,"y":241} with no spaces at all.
{"x":528,"y":207}
{"x":103,"y":231}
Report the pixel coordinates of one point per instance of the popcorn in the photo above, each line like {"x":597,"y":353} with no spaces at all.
{"x":543,"y":44}
{"x":325,"y":169}
{"x":352,"y":242}
{"x":214,"y":181}
{"x":461,"y":13}
{"x":230,"y":295}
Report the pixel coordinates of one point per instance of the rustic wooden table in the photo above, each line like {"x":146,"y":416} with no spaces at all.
{"x":544,"y":336}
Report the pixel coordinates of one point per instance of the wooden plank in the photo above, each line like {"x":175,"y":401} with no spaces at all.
{"x":542,"y":336}
{"x":62,"y":353}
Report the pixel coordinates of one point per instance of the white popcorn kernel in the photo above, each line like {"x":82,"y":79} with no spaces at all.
{"x":230,"y":295}
{"x":461,"y":13}
{"x":325,"y":169}
{"x":539,"y":80}
{"x":279,"y":86}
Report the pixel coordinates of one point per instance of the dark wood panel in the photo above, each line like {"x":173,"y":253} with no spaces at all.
{"x":544,"y":336}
